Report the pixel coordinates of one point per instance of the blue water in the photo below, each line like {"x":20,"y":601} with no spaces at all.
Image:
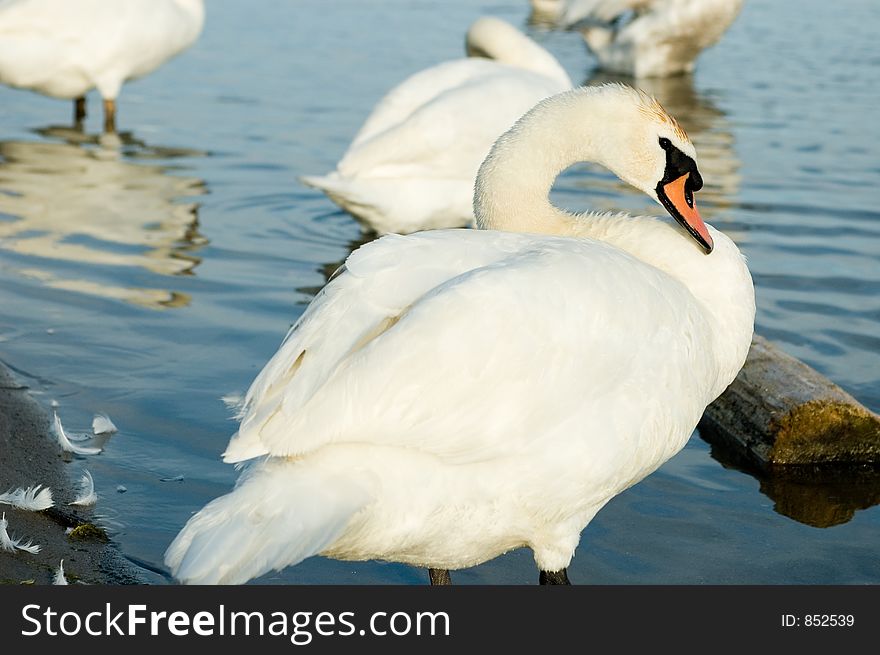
{"x":149,"y":274}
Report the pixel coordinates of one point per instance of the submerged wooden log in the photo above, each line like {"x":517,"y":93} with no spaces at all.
{"x":781,"y":412}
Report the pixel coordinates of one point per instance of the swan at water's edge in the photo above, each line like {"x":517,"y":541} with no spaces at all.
{"x":452,"y":395}
{"x":65,"y":48}
{"x":412,"y":164}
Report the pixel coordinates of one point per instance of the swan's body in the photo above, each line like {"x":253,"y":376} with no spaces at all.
{"x":412,"y":165}
{"x":455,"y":394}
{"x":65,"y":48}
{"x":650,"y":38}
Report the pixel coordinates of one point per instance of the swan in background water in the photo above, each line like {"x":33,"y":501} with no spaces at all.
{"x":649,"y":38}
{"x":455,"y":394}
{"x":65,"y":48}
{"x":412,"y":165}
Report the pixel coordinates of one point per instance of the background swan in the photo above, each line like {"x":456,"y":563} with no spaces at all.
{"x":451,"y":395}
{"x":65,"y":48}
{"x":412,"y":165}
{"x":649,"y":38}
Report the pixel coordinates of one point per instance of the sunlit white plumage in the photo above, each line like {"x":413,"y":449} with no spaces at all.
{"x":650,"y":38}
{"x":451,"y":395}
{"x":412,"y":164}
{"x":64,"y":48}
{"x":34,"y":498}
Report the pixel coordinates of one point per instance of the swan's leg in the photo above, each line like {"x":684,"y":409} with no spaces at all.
{"x":439,"y":576}
{"x":79,"y":110}
{"x":109,"y":115}
{"x":554,"y":577}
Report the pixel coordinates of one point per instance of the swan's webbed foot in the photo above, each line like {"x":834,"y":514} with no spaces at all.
{"x":439,"y":576}
{"x":554,"y":577}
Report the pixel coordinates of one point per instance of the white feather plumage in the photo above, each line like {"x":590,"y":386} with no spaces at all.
{"x":59,"y":578}
{"x":10,"y":544}
{"x":87,"y":495}
{"x":102,"y":424}
{"x":34,"y":498}
{"x":67,"y":445}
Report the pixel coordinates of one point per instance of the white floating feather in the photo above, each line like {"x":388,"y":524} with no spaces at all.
{"x":33,"y":499}
{"x":59,"y":575}
{"x":9,"y":544}
{"x":87,"y":495}
{"x":5,"y":541}
{"x":234,"y":401}
{"x":67,"y":445}
{"x":102,"y":424}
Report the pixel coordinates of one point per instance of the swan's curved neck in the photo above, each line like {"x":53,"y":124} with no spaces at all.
{"x":513,"y":184}
{"x":505,"y":44}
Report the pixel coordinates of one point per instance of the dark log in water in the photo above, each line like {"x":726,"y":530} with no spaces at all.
{"x":780,"y":412}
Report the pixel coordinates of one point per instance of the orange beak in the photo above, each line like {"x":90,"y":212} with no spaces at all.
{"x":684,"y":210}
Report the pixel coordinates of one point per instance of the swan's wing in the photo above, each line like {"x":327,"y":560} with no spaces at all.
{"x":449,"y":136}
{"x":602,"y":11}
{"x":415,"y":91}
{"x":365,"y":297}
{"x":487,"y":356}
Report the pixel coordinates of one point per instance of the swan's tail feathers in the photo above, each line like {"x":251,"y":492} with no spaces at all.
{"x":345,"y":192}
{"x":368,"y":200}
{"x":279,"y":513}
{"x":330,"y":183}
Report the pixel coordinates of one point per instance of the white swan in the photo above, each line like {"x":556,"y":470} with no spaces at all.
{"x":454,"y":394}
{"x":65,"y":48}
{"x":650,"y":38}
{"x":412,"y":165}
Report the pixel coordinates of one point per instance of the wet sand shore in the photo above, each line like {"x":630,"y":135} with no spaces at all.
{"x":30,"y":455}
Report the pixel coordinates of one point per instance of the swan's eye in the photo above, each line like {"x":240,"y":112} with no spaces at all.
{"x":665,"y":143}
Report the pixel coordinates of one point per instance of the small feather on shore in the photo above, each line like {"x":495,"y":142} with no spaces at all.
{"x":59,"y":578}
{"x":32,"y":499}
{"x":67,"y":445}
{"x":87,"y":495}
{"x":9,"y":544}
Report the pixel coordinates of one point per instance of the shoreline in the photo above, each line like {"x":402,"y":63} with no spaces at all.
{"x":30,"y":455}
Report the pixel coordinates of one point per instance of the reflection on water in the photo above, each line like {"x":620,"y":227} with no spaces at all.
{"x":81,"y":201}
{"x":709,"y":130}
{"x":821,"y":497}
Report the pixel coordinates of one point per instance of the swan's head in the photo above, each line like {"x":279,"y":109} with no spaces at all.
{"x":614,"y":125}
{"x":646,"y":147}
